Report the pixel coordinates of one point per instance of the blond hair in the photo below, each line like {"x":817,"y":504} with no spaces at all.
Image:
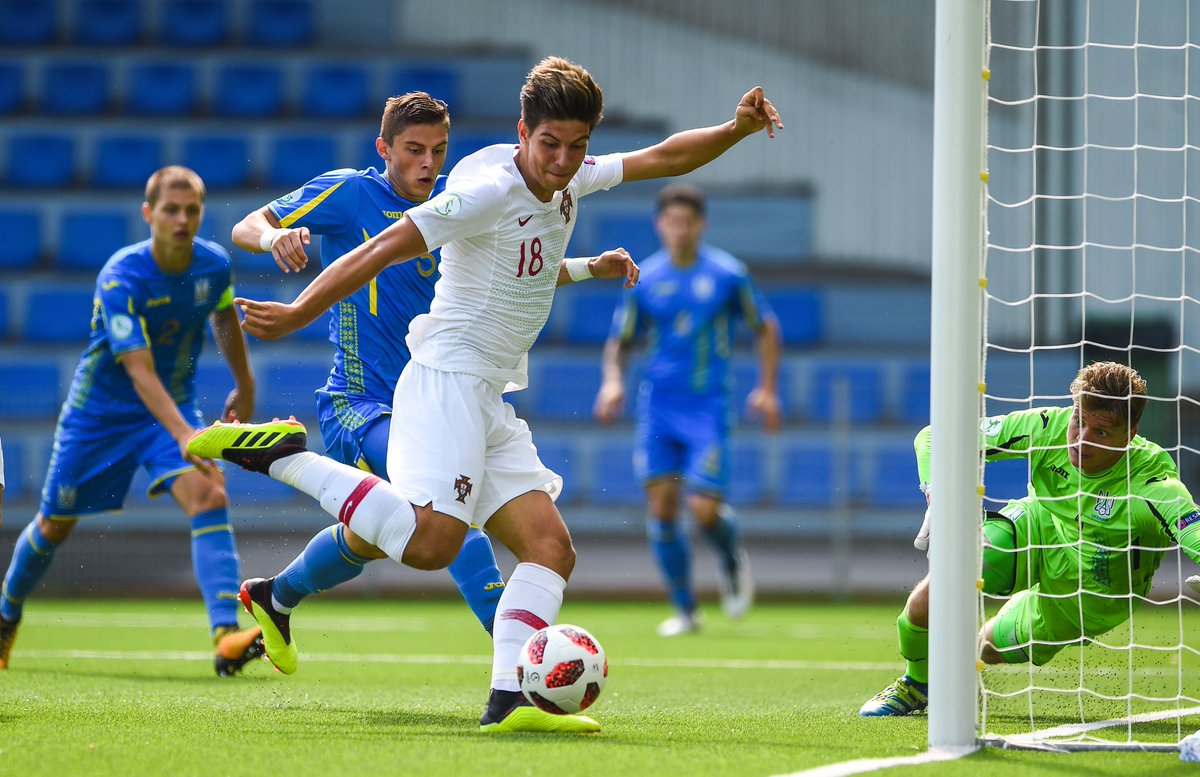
{"x":1111,"y":388}
{"x":173,"y":177}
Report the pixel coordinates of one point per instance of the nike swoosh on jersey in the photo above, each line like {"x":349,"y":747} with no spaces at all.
{"x":524,"y":221}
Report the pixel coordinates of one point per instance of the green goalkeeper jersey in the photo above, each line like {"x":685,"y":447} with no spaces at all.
{"x":1103,"y":534}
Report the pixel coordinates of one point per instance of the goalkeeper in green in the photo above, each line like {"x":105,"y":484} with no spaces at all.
{"x":1078,"y":553}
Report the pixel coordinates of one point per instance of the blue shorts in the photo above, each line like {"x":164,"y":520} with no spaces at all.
{"x":94,"y":461}
{"x":345,"y":423}
{"x":684,"y":435}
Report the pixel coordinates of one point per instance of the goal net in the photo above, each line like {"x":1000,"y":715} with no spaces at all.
{"x":1091,"y":243}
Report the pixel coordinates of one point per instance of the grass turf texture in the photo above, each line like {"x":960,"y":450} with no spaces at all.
{"x":397,"y":688}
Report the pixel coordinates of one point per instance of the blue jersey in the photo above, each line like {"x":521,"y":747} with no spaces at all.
{"x":689,"y":314}
{"x":346,"y":208}
{"x":137,"y":306}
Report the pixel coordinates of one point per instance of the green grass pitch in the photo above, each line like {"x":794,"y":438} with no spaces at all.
{"x":393,"y":687}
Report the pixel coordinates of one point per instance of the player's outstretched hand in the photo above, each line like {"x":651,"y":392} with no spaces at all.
{"x":616,"y":264}
{"x":755,"y":112}
{"x":267,"y":320}
{"x":287,"y":248}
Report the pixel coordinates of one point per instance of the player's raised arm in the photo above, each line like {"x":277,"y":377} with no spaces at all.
{"x":684,"y":151}
{"x":260,"y":232}
{"x":271,"y":320}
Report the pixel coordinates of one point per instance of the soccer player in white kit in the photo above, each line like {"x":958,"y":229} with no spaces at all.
{"x":457,"y":453}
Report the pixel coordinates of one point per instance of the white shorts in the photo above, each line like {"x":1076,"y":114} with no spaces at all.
{"x":457,"y":444}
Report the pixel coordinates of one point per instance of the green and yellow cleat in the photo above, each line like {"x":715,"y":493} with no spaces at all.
{"x":250,"y":446}
{"x":234,"y":648}
{"x":903,"y":697}
{"x":510,"y":711}
{"x":255,"y":596}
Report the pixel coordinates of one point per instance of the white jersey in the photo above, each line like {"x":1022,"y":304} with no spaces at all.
{"x":501,"y":250}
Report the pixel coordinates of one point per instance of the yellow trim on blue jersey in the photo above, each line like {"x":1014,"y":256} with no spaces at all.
{"x":226,"y":300}
{"x":303,"y":210}
{"x":372,"y":287}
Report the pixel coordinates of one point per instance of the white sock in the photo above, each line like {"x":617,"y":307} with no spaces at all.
{"x":531,"y":600}
{"x":380,"y":514}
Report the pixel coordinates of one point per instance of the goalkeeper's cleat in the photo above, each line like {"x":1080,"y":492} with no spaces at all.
{"x":233,"y":649}
{"x":903,"y":697}
{"x":8,"y":635}
{"x":510,"y":711}
{"x":250,"y":446}
{"x":255,"y":596}
{"x":679,"y":624}
{"x":737,"y":587}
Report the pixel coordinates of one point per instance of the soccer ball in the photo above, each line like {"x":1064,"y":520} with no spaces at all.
{"x":562,"y":669}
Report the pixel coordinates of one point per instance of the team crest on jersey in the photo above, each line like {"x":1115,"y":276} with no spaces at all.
{"x":202,"y":291}
{"x":1104,"y":506}
{"x":66,"y":497}
{"x":462,"y":487}
{"x":567,"y":205}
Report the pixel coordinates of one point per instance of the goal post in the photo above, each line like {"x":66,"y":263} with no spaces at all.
{"x":958,"y":207}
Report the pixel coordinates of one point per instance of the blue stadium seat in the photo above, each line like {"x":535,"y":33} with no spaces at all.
{"x":288,"y":386}
{"x":223,"y":161}
{"x":632,"y":231}
{"x":213,"y":384}
{"x":126,"y":160}
{"x":41,"y":160}
{"x":893,"y":480}
{"x":799,"y":314}
{"x":193,"y":23}
{"x":248,"y":490}
{"x":747,"y":473}
{"x":59,"y":315}
{"x":466,"y":142}
{"x":590,"y":311}
{"x":22,"y":244}
{"x":561,"y":455}
{"x":162,"y":88}
{"x":28,"y":22}
{"x":4,"y":327}
{"x":1003,"y":481}
{"x":566,"y":389}
{"x":439,"y":82}
{"x":39,"y":396}
{"x":296,"y":158}
{"x":16,"y":475}
{"x":612,"y":480}
{"x":249,"y":90}
{"x":336,"y":90}
{"x":74,"y":88}
{"x":809,"y":478}
{"x":863,"y":381}
{"x":279,"y":23}
{"x":87,"y":238}
{"x":914,"y":393}
{"x":745,"y":378}
{"x":12,"y":87}
{"x":107,"y":22}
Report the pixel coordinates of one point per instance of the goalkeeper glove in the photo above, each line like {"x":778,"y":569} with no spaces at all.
{"x":1193,"y":582}
{"x":921,"y":541}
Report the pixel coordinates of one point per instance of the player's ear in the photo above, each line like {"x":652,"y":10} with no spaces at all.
{"x":382,"y":149}
{"x":146,"y":211}
{"x":522,"y":130}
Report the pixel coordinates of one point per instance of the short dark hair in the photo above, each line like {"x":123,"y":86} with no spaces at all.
{"x":173,"y":177}
{"x":413,"y":108}
{"x":681,"y":194}
{"x":1111,"y":388}
{"x":558,"y":89}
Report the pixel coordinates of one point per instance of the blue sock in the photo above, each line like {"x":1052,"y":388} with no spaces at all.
{"x":670,"y":550}
{"x":723,"y":536}
{"x":216,"y":565}
{"x":477,"y":576}
{"x":31,"y":558}
{"x":326,"y":562}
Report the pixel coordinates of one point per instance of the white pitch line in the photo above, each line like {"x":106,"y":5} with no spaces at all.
{"x":864,"y":765}
{"x":1075,"y":729}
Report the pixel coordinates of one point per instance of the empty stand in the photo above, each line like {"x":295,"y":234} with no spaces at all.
{"x":1004,"y":481}
{"x":337,"y":90}
{"x":747,"y":473}
{"x":41,"y":159}
{"x":12,"y":87}
{"x":39,"y":395}
{"x":893,"y":479}
{"x":223,"y":161}
{"x":107,"y":23}
{"x":22,"y":243}
{"x":28,"y":22}
{"x":613,"y":481}
{"x":589,"y":312}
{"x":809,"y":477}
{"x":162,"y":88}
{"x":633,"y":231}
{"x":193,"y":23}
{"x":561,"y":455}
{"x":294,"y":159}
{"x":58,"y":315}
{"x":75,"y":88}
{"x":88,"y":238}
{"x":565,"y":388}
{"x":799,"y":312}
{"x":914,"y":393}
{"x":126,"y":160}
{"x":849,"y":390}
{"x":288,"y":386}
{"x":278,"y":23}
{"x":248,"y":90}
{"x":439,"y":82}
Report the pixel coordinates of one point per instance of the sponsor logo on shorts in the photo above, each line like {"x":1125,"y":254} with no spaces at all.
{"x":462,"y":487}
{"x":1187,"y":520}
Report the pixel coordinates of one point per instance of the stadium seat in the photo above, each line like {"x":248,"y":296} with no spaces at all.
{"x":799,"y":314}
{"x":58,"y":315}
{"x":248,"y":490}
{"x":88,"y":238}
{"x":589,"y":312}
{"x":213,"y":384}
{"x":747,"y":473}
{"x":632,"y":231}
{"x":863,"y":382}
{"x":107,"y":23}
{"x":336,"y":90}
{"x":126,"y":160}
{"x":745,"y":378}
{"x":249,"y":90}
{"x":39,"y":396}
{"x":612,"y":481}
{"x":28,"y":22}
{"x":466,"y":142}
{"x":12,"y":87}
{"x":893,"y":479}
{"x":296,"y":158}
{"x":193,"y":23}
{"x":288,"y":386}
{"x":279,"y":23}
{"x":4,"y":327}
{"x":561,"y":455}
{"x":1003,"y":481}
{"x":22,"y":244}
{"x":566,"y":388}
{"x":161,"y":88}
{"x":809,"y":477}
{"x":40,"y":159}
{"x":914,"y":393}
{"x":439,"y":82}
{"x":74,"y":88}
{"x":223,"y":161}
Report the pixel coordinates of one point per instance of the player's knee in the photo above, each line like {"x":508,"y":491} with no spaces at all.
{"x":435,"y":543}
{"x":55,"y":531}
{"x":555,"y":552}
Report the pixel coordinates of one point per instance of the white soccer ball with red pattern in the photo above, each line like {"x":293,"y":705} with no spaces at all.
{"x":562,"y":669}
